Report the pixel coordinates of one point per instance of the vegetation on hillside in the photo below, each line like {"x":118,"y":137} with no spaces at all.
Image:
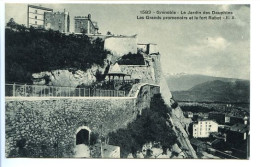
{"x":29,"y":50}
{"x":151,"y":126}
{"x":132,"y":59}
{"x":217,"y":91}
{"x":197,"y":109}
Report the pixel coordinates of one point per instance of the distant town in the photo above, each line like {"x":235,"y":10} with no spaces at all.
{"x":218,"y":129}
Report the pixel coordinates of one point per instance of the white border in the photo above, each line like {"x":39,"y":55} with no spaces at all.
{"x":254,"y":79}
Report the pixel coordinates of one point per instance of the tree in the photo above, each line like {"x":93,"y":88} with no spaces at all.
{"x":151,"y":126}
{"x":11,"y":23}
{"x":109,"y":33}
{"x":32,"y":50}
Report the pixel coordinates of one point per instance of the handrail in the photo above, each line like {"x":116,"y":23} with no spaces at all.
{"x":24,"y":90}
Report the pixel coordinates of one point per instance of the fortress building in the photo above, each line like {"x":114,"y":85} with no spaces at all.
{"x":84,"y":24}
{"x":45,"y":18}
{"x":35,"y":16}
{"x":59,"y":21}
{"x":149,"y":48}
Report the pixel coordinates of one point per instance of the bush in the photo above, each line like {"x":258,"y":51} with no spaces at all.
{"x":196,"y":109}
{"x":151,"y":126}
{"x":132,"y":59}
{"x":93,"y":138}
{"x":174,"y":105}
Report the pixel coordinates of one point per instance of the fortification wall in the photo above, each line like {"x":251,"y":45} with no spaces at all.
{"x":120,"y":46}
{"x":49,"y":124}
{"x":143,"y":72}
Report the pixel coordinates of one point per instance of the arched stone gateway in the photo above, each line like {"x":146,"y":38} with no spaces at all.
{"x":83,"y":135}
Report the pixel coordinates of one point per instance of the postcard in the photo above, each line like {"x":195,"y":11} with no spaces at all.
{"x":127,"y":80}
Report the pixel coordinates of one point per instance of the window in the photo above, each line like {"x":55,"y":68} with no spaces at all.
{"x":35,"y":17}
{"x":35,"y":11}
{"x":35,"y":22}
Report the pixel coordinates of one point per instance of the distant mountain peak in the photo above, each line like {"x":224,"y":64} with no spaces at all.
{"x":184,"y":81}
{"x":216,"y":91}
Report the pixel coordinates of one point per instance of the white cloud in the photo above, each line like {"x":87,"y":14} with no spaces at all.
{"x":225,"y":7}
{"x":217,"y":42}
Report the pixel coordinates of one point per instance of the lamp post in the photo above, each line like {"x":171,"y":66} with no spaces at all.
{"x":101,"y":148}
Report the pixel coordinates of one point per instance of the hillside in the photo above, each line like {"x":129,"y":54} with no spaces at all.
{"x":216,"y":91}
{"x":187,"y":81}
{"x":30,"y":50}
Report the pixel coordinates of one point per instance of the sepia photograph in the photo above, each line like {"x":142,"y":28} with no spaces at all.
{"x":127,"y":81}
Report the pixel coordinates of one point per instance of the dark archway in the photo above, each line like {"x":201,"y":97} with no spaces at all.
{"x":82,"y":137}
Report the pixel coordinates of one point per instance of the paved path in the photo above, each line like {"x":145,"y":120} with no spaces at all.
{"x":82,"y":151}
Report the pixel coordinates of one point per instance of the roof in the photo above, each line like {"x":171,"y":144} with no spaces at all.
{"x":206,"y":119}
{"x":115,"y":70}
{"x":197,"y":142}
{"x":121,"y":36}
{"x":241,"y":128}
{"x":39,"y":7}
{"x":146,"y":44}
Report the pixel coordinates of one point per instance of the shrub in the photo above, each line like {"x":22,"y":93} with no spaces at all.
{"x":151,"y":126}
{"x":132,"y":59}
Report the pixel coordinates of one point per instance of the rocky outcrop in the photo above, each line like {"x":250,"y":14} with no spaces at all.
{"x":67,"y":77}
{"x":177,"y":119}
{"x":179,"y":123}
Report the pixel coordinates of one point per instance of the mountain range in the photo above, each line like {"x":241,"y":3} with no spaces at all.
{"x":208,"y":88}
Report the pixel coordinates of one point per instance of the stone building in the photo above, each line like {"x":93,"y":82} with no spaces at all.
{"x":35,"y":16}
{"x":45,"y":18}
{"x":203,"y":128}
{"x":57,"y":21}
{"x":121,"y":45}
{"x":84,"y":24}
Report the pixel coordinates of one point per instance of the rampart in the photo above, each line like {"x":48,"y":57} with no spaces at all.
{"x":121,"y":45}
{"x":49,"y":124}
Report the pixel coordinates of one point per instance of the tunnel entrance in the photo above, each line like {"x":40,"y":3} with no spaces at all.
{"x":82,"y":137}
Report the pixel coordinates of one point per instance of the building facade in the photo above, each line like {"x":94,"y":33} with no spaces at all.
{"x":121,"y":45}
{"x":84,"y":24}
{"x":35,"y":16}
{"x":57,"y":21}
{"x":203,"y":128}
{"x":149,"y":48}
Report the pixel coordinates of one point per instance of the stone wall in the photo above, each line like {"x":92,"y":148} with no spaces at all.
{"x":121,"y":45}
{"x":49,"y":125}
{"x":143,"y":72}
{"x":57,"y":21}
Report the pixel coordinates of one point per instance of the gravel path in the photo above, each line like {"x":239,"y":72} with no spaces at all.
{"x":82,"y":151}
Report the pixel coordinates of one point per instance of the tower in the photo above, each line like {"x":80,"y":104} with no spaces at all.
{"x":35,"y":16}
{"x":84,"y":24}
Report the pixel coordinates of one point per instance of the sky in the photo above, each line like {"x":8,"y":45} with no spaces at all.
{"x":216,"y":48}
